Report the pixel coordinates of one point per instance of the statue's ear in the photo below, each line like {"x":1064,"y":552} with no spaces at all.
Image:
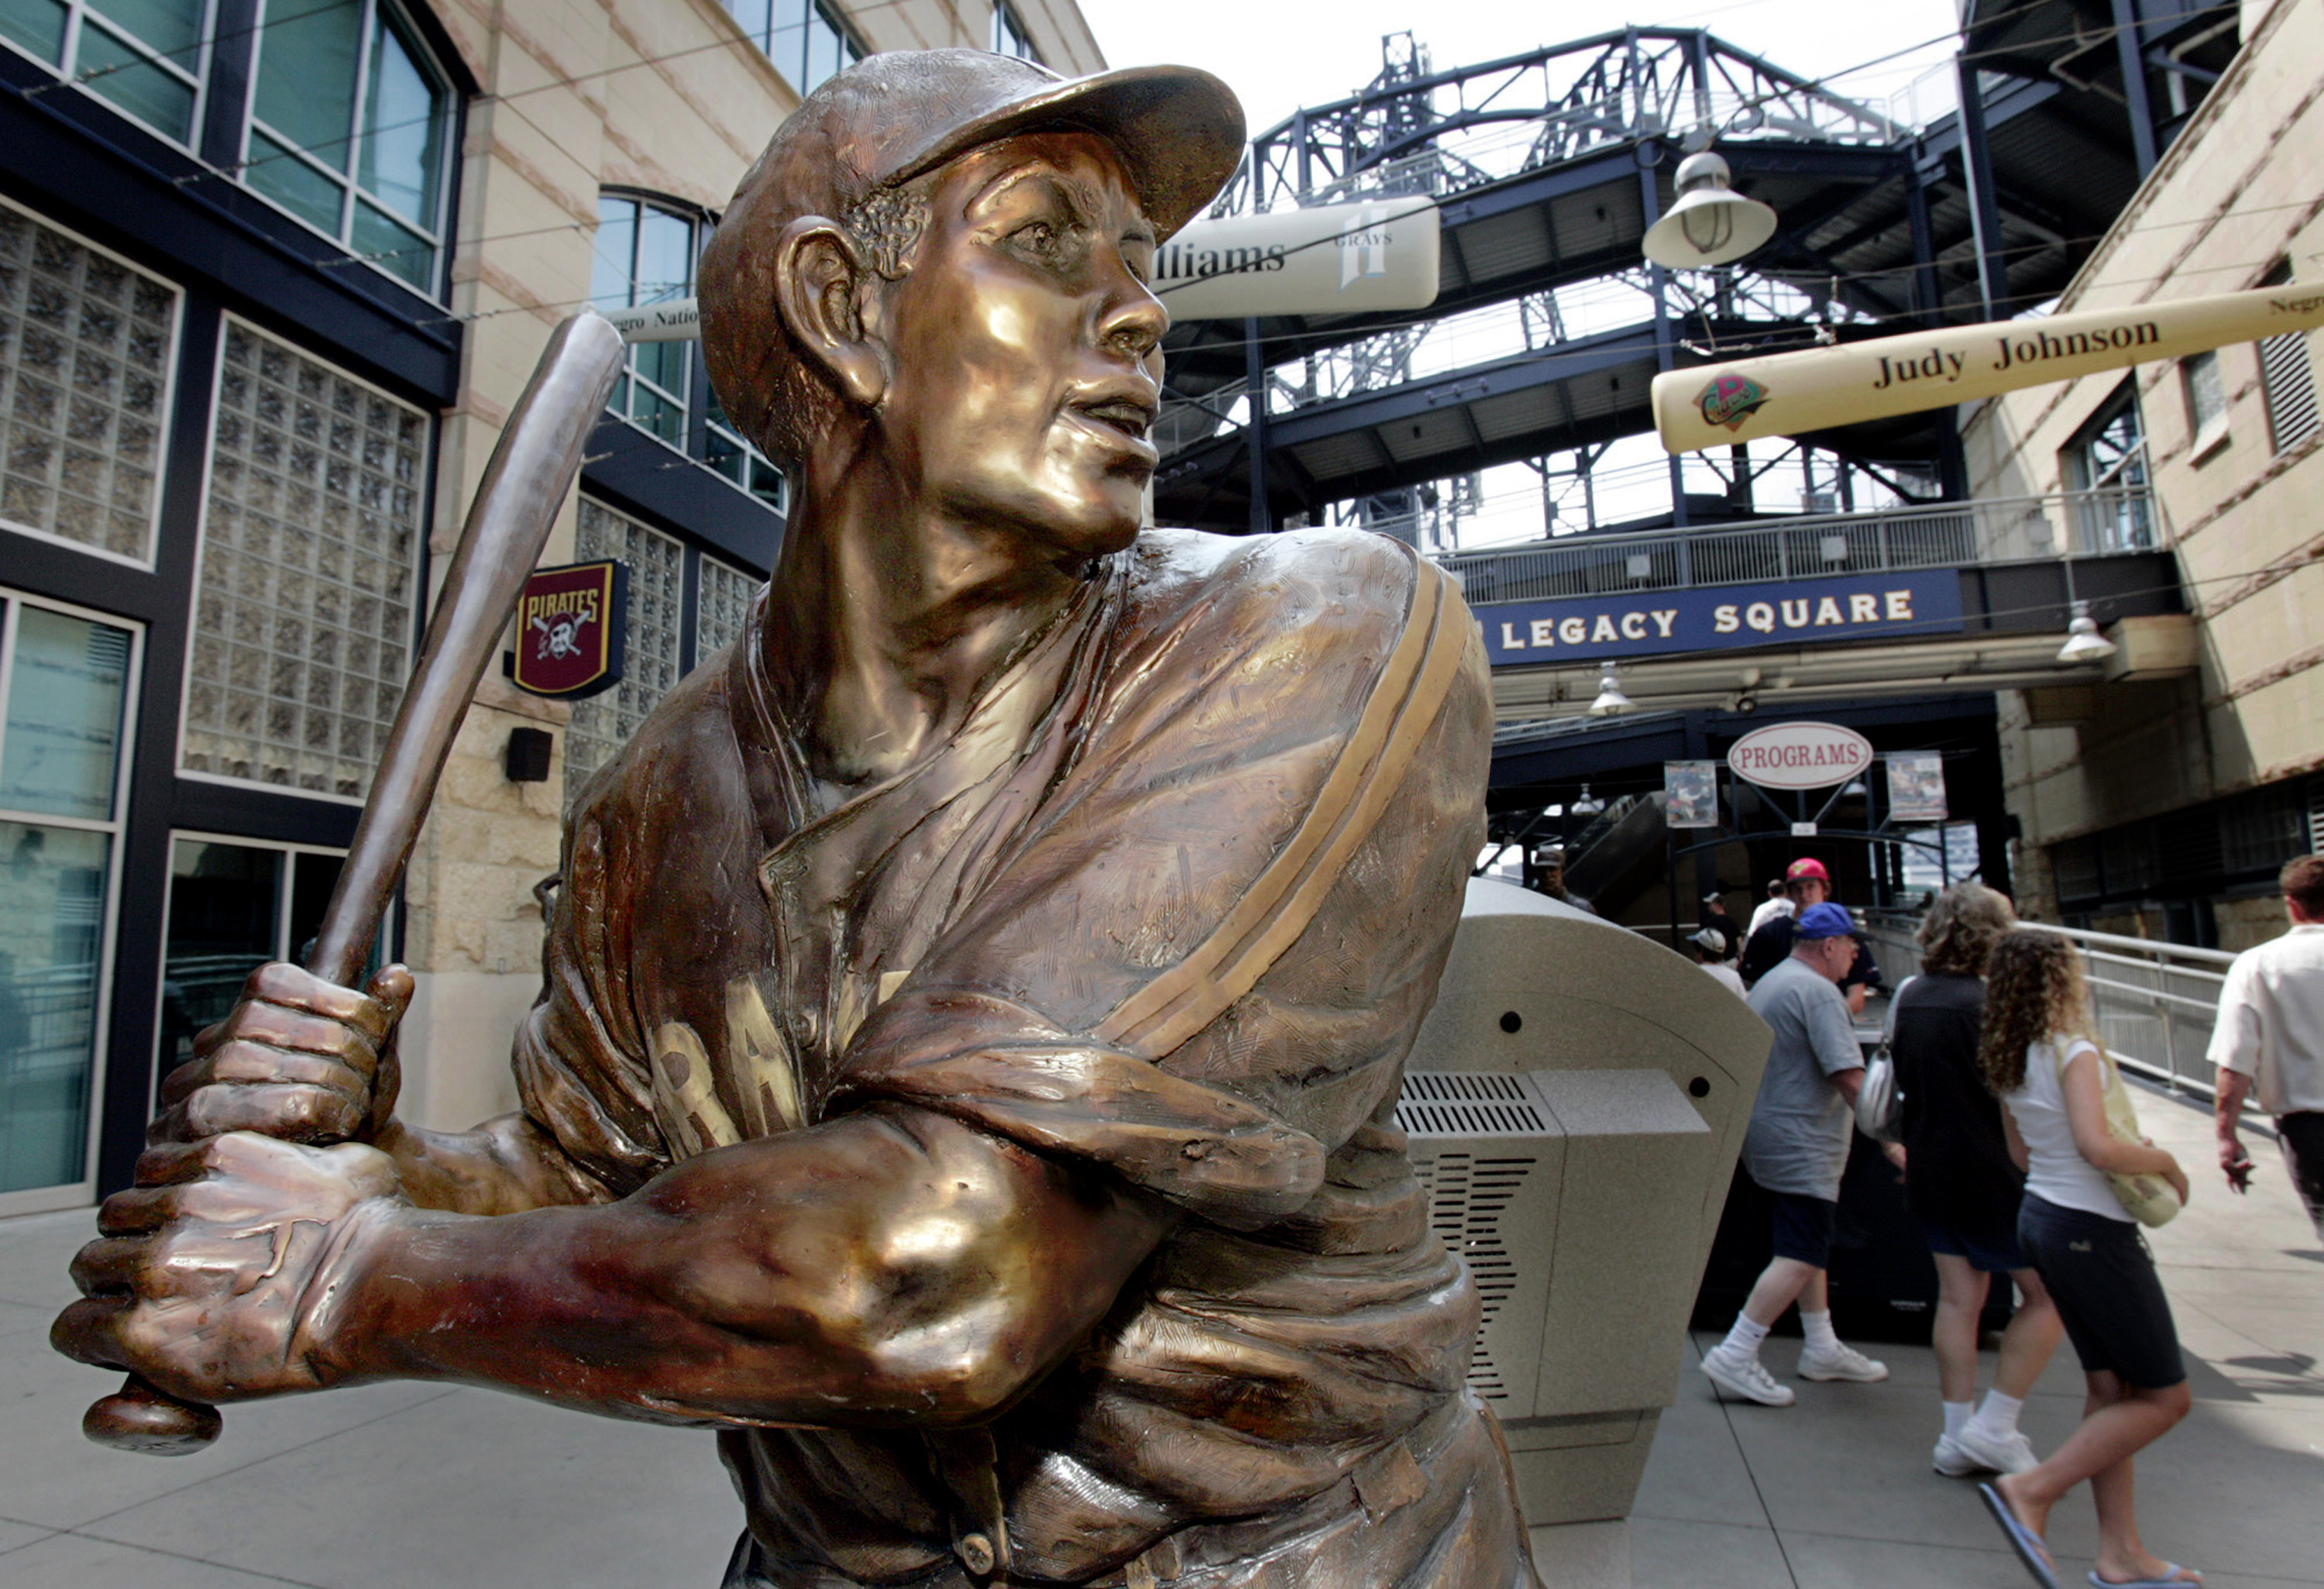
{"x":819,"y":272}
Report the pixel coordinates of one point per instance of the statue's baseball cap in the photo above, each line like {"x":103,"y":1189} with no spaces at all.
{"x":1821,"y":921}
{"x":1806,"y":867}
{"x":893,"y":118}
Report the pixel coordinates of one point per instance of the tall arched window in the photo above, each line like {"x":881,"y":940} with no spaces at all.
{"x":348,"y":128}
{"x":646,"y":251}
{"x":645,"y":255}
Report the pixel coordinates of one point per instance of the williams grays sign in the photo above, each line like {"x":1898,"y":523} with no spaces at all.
{"x":1332,"y":259}
{"x":1666,"y":623}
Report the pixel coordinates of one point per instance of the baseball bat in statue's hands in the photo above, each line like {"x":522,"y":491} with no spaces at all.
{"x":1817,"y":388}
{"x":531,"y":470}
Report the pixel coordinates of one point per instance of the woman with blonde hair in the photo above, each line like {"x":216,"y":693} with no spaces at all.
{"x":1963,"y":1186}
{"x":2036,"y":1053}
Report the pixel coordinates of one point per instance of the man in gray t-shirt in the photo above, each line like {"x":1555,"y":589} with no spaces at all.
{"x":1796,"y":1149}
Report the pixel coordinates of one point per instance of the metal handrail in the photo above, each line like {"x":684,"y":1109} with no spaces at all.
{"x":1919,"y":535}
{"x":2155,"y":1013}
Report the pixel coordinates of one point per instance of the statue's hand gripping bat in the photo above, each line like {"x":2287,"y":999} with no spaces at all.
{"x":531,"y":470}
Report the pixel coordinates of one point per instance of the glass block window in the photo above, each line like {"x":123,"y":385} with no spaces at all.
{"x":806,"y":42}
{"x":1010,"y":36}
{"x":85,"y":356}
{"x":310,"y":543}
{"x":2207,"y":393}
{"x":349,"y":123}
{"x":146,"y":56}
{"x":721,"y":608}
{"x":644,"y":255}
{"x":603,"y":724}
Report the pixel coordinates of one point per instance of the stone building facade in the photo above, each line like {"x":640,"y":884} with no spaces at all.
{"x":272,"y":274}
{"x":2164,"y":808}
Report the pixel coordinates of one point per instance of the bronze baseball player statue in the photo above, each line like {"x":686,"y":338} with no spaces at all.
{"x":975,"y":1005}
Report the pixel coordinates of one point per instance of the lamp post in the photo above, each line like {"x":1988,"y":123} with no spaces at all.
{"x":1710,"y":223}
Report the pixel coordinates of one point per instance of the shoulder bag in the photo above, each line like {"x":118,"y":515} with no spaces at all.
{"x":1880,"y":1102}
{"x":2145,"y":1196}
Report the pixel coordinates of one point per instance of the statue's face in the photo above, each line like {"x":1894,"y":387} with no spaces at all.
{"x":1027,"y":347}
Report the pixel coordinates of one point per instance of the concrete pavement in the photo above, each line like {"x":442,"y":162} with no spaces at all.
{"x":416,"y":1485}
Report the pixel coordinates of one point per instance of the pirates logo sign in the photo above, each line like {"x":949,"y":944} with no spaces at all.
{"x":1731,"y":400}
{"x":569,"y":630}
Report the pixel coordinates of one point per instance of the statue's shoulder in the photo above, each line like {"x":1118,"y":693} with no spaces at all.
{"x":682,"y":760}
{"x":1343,"y":584}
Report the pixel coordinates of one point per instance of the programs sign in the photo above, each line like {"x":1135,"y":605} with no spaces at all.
{"x":1800,"y":755}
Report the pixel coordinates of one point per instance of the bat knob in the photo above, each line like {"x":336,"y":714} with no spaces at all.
{"x":141,"y":1418}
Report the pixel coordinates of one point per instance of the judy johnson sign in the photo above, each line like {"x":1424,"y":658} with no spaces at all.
{"x":1588,"y":629}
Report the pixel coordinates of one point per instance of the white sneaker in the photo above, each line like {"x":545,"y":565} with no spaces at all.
{"x":1951,"y":1461}
{"x":2002,"y":1454}
{"x":1841,"y":1362}
{"x":1744,"y":1376}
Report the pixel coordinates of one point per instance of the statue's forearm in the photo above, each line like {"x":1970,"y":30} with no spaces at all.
{"x":505,"y":1166}
{"x":880,"y":1269}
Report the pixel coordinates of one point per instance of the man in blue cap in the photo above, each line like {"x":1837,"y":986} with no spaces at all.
{"x":1796,"y":1149}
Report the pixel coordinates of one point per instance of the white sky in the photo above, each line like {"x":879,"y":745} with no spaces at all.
{"x":1282,"y":54}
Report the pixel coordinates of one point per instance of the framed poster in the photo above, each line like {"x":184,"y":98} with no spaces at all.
{"x":1916,"y":786}
{"x":1690,"y":794}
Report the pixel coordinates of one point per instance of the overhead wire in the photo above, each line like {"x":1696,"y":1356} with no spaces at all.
{"x":571,"y":80}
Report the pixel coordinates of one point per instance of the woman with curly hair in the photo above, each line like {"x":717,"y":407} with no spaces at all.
{"x":2035,"y":1051}
{"x":1962,"y":1186}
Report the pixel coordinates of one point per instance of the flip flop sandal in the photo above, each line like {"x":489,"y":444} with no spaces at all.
{"x":2031,"y":1552}
{"x":2170,"y":1579}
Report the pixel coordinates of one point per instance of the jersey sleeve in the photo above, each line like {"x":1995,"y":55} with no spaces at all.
{"x":580,"y":1063}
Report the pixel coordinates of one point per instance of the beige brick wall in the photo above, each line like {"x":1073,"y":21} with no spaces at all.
{"x":668,"y":96}
{"x":2235,"y":194}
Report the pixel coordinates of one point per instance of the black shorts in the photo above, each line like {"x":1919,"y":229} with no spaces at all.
{"x":2101,"y":1276}
{"x":1803,"y":1227}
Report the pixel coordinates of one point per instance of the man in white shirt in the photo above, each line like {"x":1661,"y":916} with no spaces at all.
{"x":1778,"y":903}
{"x":1709,"y":947}
{"x":2270,"y":1039}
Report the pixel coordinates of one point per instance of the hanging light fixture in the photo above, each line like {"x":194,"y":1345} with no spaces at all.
{"x":2084,"y":643}
{"x":1585,"y":804}
{"x":1710,"y":223}
{"x":1610,"y":702}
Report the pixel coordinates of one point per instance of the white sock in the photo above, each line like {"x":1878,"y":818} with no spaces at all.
{"x":1817,"y":1327}
{"x":1998,"y":1415}
{"x":1745,"y":1337}
{"x":1957,"y":1416}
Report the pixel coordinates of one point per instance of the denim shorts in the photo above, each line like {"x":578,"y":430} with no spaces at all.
{"x":2101,"y":1275}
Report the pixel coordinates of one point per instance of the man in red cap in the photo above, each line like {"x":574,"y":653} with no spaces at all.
{"x":975,"y":1006}
{"x":1806,"y":883}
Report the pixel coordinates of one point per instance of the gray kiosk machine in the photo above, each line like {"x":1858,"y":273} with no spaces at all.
{"x":1575,"y":1102}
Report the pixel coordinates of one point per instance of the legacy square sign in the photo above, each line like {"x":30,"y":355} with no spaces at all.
{"x":1665,"y":622}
